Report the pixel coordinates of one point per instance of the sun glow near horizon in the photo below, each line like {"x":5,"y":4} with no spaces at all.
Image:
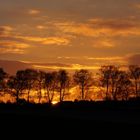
{"x":54,"y":102}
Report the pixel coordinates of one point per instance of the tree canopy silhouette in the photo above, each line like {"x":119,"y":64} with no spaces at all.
{"x":3,"y":76}
{"x":63,"y":83}
{"x":50,"y":84}
{"x":83,"y":79}
{"x":135,"y":75}
{"x":116,"y":84}
{"x":17,"y":84}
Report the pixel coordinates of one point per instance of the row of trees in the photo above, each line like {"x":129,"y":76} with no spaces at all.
{"x":117,"y":84}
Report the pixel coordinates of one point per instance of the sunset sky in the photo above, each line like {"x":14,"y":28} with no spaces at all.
{"x":75,"y":33}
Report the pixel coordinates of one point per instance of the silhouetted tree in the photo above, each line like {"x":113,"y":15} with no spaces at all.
{"x":63,"y":83}
{"x":109,"y":77}
{"x":83,"y":79}
{"x":17,"y":84}
{"x":105,"y":77}
{"x":3,"y":76}
{"x":114,"y":77}
{"x":30,"y":79}
{"x":50,"y":85}
{"x":40,"y":84}
{"x":135,"y":75}
{"x":123,"y":86}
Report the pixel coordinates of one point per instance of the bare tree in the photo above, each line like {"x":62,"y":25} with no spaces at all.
{"x":114,"y":77}
{"x":63,"y":84}
{"x":135,"y":75}
{"x":30,"y":79}
{"x":105,"y":78}
{"x":83,"y":79}
{"x":109,"y":77}
{"x":3,"y":76}
{"x":17,"y":84}
{"x":123,"y":87}
{"x":40,"y":84}
{"x":50,"y":85}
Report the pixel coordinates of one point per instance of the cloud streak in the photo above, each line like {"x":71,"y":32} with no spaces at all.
{"x":71,"y":67}
{"x":13,"y":47}
{"x":13,"y":43}
{"x":5,"y":30}
{"x":101,"y":27}
{"x":45,"y":40}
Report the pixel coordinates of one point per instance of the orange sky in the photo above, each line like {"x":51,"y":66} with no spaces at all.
{"x":78,"y":33}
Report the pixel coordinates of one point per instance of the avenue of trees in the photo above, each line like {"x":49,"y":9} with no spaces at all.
{"x":117,"y":84}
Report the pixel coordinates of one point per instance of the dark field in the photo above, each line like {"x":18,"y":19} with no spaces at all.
{"x":70,"y":117}
{"x":94,"y":112}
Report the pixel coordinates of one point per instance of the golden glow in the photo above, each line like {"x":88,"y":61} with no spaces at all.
{"x":45,"y":41}
{"x":72,"y":67}
{"x":74,"y":93}
{"x":137,"y":5}
{"x":33,"y":12}
{"x":40,"y":27}
{"x":13,"y":47}
{"x":102,"y":28}
{"x":54,"y":102}
{"x":104,"y":43}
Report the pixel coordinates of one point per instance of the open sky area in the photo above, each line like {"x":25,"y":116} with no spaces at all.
{"x":76,"y":33}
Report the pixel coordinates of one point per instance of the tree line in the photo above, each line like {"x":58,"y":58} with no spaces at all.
{"x":117,"y":84}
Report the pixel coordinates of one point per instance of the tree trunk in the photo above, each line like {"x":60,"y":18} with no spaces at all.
{"x":52,"y":96}
{"x":113,"y":93}
{"x":63,"y":95}
{"x":28,"y":98}
{"x":60,"y":95}
{"x":39,"y":98}
{"x":136,"y":87}
{"x":107,"y":86}
{"x":82,"y":92}
{"x":17,"y":97}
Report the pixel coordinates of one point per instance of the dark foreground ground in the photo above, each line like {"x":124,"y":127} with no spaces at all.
{"x":71,"y":117}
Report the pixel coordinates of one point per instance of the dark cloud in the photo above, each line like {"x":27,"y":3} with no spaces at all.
{"x":133,"y":59}
{"x":52,"y":64}
{"x":78,"y":9}
{"x":115,"y":24}
{"x":12,"y":66}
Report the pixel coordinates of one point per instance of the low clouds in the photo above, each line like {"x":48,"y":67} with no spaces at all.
{"x":70,"y":67}
{"x":92,"y":61}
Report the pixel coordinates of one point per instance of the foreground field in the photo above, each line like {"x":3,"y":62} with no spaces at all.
{"x":96,"y":113}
